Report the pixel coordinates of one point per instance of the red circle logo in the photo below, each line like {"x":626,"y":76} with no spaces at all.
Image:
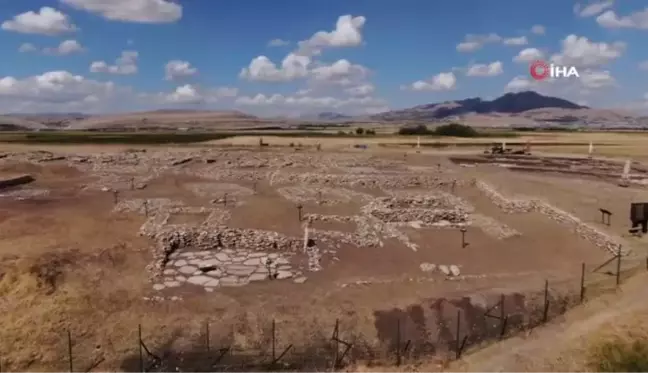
{"x":539,"y":70}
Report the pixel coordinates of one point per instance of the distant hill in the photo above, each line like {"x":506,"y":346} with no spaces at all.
{"x":10,"y":123}
{"x":170,"y":120}
{"x":332,"y":116}
{"x":510,"y":103}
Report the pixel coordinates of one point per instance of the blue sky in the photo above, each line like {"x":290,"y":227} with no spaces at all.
{"x":359,"y":56}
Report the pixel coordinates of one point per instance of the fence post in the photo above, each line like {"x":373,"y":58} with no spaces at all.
{"x":139,"y":345}
{"x":336,"y":333}
{"x":398,"y":343}
{"x":69,"y":340}
{"x":274,"y":351}
{"x":458,"y":341}
{"x":582,"y":283}
{"x":618,"y":274}
{"x":545,"y":314}
{"x":207,"y":335}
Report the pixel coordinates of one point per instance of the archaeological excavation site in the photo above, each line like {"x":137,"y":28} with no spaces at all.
{"x":232,"y":257}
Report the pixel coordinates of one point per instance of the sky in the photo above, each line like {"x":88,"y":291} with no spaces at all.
{"x":298,"y":57}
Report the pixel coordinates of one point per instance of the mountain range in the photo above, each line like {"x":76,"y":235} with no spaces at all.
{"x":510,"y":103}
{"x":521,"y":109}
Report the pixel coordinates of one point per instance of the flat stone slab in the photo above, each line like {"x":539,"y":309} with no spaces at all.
{"x":158,"y":287}
{"x":258,"y":277}
{"x":239,"y":270}
{"x":199,"y":280}
{"x":180,"y":263}
{"x":454,"y":270}
{"x":172,"y":284}
{"x":212,"y":283}
{"x":444,"y":269}
{"x":281,"y":275}
{"x":300,"y":280}
{"x":187,"y":270}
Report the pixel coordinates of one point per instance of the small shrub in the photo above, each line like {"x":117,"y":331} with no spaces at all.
{"x":359,"y":131}
{"x":370,"y":132}
{"x":620,"y":356}
{"x":414,"y":130}
{"x":456,"y":130}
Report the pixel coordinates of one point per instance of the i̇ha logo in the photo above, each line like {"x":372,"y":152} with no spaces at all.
{"x":540,"y":70}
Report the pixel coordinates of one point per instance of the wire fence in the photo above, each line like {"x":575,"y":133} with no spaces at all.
{"x":460,"y":325}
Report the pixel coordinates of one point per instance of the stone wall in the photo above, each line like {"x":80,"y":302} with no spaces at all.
{"x":584,"y":230}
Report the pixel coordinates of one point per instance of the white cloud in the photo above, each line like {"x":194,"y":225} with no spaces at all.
{"x":439,"y":82}
{"x":491,"y":69}
{"x":520,"y":83}
{"x":65,"y":48}
{"x":638,"y":20}
{"x":54,"y":87}
{"x":186,"y":94}
{"x":190,"y":94}
{"x":341,"y":72}
{"x":347,"y":33}
{"x":592,"y":9}
{"x":262,"y":69}
{"x":177,"y":69}
{"x":126,"y":64}
{"x":27,"y":48}
{"x":528,"y":55}
{"x":522,"y":40}
{"x":538,"y":29}
{"x":591,"y":79}
{"x":305,"y":103}
{"x":580,"y":51}
{"x":140,"y":11}
{"x":361,"y":90}
{"x":472,"y":42}
{"x":278,"y":43}
{"x":48,"y":21}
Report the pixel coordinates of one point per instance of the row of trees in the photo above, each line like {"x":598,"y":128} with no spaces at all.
{"x":452,"y":129}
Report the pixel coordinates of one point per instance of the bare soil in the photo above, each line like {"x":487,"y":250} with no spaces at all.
{"x":67,"y":261}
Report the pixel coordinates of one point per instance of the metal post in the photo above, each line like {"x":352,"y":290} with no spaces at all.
{"x":132,"y":183}
{"x":69,"y":337}
{"x":398,"y":343}
{"x":139,"y":345}
{"x":207,"y":335}
{"x":274,"y":350}
{"x":225,"y":199}
{"x":582,"y":283}
{"x":146,"y":211}
{"x":115,"y":196}
{"x":336,"y":334}
{"x":299,"y":211}
{"x":545,"y":314}
{"x":463,"y":237}
{"x":618,"y":273}
{"x":458,"y":342}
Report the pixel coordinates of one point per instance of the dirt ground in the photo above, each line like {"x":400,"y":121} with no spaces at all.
{"x":68,"y":262}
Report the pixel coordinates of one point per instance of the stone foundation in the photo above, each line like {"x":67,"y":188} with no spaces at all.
{"x":584,"y":230}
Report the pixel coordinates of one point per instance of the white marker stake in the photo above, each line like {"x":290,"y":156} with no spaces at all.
{"x":305,"y":237}
{"x":591,"y":148}
{"x":418,"y":142}
{"x":626,"y":170}
{"x":503,"y":145}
